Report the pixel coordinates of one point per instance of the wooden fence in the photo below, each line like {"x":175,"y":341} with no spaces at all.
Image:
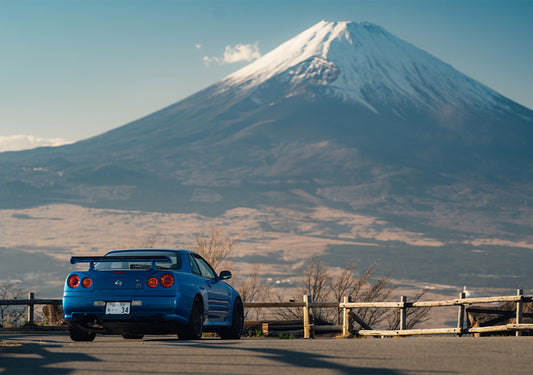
{"x":30,"y":302}
{"x":349,"y":316}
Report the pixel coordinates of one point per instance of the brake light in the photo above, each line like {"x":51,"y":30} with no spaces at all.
{"x":86,"y":282}
{"x":151,"y":282}
{"x":167,"y":280}
{"x":73,"y":281}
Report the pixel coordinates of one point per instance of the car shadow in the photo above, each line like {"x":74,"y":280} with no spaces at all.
{"x":36,"y":358}
{"x":296,"y":358}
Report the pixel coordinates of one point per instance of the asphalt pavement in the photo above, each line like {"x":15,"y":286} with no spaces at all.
{"x":55,"y":353}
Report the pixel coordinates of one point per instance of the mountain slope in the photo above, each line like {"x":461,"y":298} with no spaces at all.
{"x":340,"y":107}
{"x":354,"y":138}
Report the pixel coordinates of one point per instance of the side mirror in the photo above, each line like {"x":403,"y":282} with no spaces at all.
{"x":224,"y":275}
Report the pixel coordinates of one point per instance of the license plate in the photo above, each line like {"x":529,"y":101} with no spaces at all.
{"x":117,"y":308}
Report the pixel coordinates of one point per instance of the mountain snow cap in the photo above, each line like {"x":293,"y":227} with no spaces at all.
{"x":363,"y":63}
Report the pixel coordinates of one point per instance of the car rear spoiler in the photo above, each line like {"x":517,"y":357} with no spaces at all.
{"x":122,"y":258}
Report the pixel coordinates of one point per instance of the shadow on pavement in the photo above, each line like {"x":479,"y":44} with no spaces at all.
{"x":299,"y":359}
{"x":37,"y":358}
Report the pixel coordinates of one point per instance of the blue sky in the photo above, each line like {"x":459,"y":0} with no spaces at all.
{"x":72,"y":69}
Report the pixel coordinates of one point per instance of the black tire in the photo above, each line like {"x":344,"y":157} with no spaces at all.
{"x":234,"y":331}
{"x":193,"y":330}
{"x":79,"y":334}
{"x":132,"y":336}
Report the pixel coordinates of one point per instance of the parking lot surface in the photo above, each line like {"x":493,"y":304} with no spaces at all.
{"x":55,"y":353}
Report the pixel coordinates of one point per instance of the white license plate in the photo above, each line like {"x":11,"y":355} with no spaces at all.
{"x":117,"y":308}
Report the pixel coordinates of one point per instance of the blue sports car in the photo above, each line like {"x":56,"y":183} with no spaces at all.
{"x":146,"y":291}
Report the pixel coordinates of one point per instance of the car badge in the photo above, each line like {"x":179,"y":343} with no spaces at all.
{"x":118,"y":283}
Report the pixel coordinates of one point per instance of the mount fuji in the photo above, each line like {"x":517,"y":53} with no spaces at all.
{"x":343,"y":115}
{"x":363,"y":64}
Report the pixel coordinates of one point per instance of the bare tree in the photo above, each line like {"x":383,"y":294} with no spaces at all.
{"x":414,"y":316}
{"x":324,"y":286}
{"x":317,"y":285}
{"x":363,"y":288}
{"x":343,"y":284}
{"x":288,"y":313}
{"x":316,"y":280}
{"x":370,"y":289}
{"x":253,"y":288}
{"x":215,"y":247}
{"x":11,"y":315}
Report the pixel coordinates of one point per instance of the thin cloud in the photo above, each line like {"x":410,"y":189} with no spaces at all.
{"x":238,"y":53}
{"x":198,"y":46}
{"x":25,"y":142}
{"x":241,"y":52}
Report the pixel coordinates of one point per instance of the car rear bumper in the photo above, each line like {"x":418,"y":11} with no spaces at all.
{"x":142,"y":326}
{"x":89,"y":311}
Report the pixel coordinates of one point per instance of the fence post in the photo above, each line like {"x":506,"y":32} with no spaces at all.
{"x":345,"y":318}
{"x":461,"y":316}
{"x":519,"y":310}
{"x":307,"y":326}
{"x":31,"y":297}
{"x":403,"y":313}
{"x":264,"y":329}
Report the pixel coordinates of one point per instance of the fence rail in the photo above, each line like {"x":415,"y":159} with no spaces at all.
{"x":403,"y":305}
{"x":349,"y":316}
{"x":30,"y":302}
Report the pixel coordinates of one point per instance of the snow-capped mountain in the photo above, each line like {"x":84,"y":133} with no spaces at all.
{"x":343,"y":124}
{"x":363,"y":63}
{"x":345,"y":111}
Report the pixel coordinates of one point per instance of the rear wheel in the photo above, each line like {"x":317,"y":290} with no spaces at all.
{"x":79,"y":334}
{"x":234,"y":331}
{"x":193,"y":330}
{"x":132,"y":336}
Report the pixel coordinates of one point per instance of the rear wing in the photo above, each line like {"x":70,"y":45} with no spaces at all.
{"x":124,"y":258}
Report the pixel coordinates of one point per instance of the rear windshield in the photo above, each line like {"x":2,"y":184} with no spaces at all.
{"x":175,"y":261}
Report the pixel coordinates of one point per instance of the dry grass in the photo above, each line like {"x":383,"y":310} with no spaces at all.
{"x":8,"y":344}
{"x":287,"y":237}
{"x":88,"y":230}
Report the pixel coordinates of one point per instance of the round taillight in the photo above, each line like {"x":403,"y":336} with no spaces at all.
{"x":86,"y":282}
{"x":151,"y":282}
{"x":73,"y":281}
{"x":167,"y":280}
